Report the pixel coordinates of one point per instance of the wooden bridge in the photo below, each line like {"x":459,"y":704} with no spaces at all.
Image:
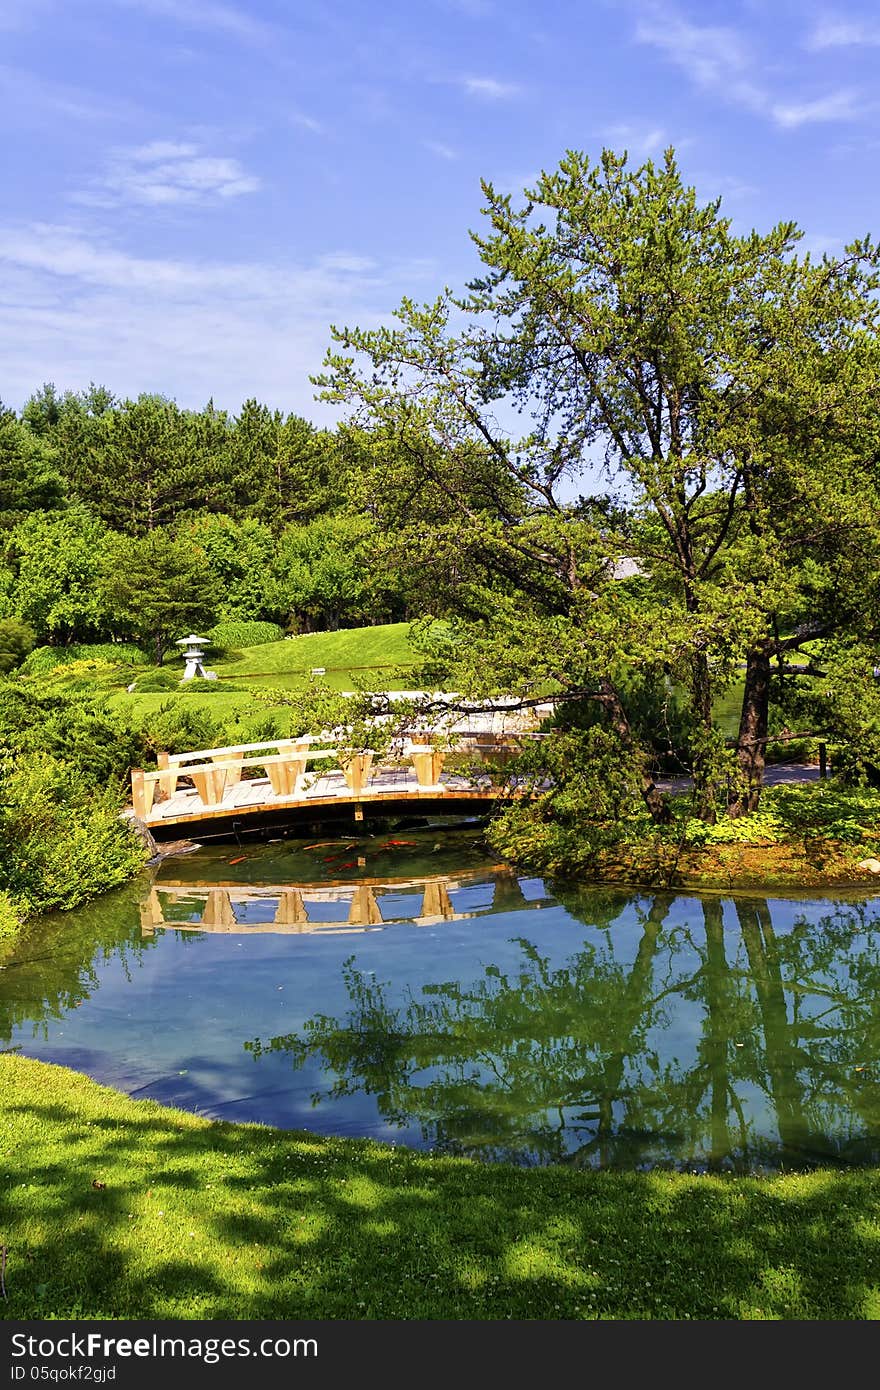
{"x":249,"y":785}
{"x":365,"y":905}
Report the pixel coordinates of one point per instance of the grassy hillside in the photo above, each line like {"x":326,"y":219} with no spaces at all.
{"x":351,"y":652}
{"x":377,"y":657}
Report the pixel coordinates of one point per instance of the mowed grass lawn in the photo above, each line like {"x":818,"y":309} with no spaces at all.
{"x":116,"y":1208}
{"x":371,"y":657}
{"x":363,"y":652}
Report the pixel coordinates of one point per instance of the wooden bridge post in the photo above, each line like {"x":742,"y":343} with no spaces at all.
{"x":142,"y":793}
{"x":428,"y":766}
{"x":167,"y":783}
{"x":210,"y":784}
{"x":356,"y":769}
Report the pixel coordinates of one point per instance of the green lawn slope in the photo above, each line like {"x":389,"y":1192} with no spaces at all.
{"x":116,"y":1208}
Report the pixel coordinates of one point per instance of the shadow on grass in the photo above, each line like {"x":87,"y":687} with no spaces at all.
{"x":113,"y":1208}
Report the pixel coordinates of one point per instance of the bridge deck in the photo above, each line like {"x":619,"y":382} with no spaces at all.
{"x":225,"y":784}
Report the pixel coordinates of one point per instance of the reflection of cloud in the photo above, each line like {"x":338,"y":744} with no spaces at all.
{"x":78,"y":308}
{"x":166,"y":172}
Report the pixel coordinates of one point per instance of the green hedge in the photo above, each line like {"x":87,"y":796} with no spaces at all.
{"x":231,"y":635}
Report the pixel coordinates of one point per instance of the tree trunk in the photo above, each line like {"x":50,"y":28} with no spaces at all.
{"x":705,"y":804}
{"x":751,"y":748}
{"x":653,"y":798}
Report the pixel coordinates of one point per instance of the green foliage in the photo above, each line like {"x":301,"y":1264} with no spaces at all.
{"x":178,"y":728}
{"x":199,"y":686}
{"x":58,"y":562}
{"x":144,"y":464}
{"x":729,"y":384}
{"x":87,"y":676}
{"x":118,"y":653}
{"x":10,"y":918}
{"x":235,"y":634}
{"x":96,"y":742}
{"x":157,"y":588}
{"x":16,"y":642}
{"x":155,"y":680}
{"x":29,"y":482}
{"x":62,"y":840}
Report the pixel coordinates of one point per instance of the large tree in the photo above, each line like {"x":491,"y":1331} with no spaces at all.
{"x":725,"y":385}
{"x":158,"y":588}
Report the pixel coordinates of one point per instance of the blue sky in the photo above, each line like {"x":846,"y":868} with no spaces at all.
{"x":194,"y":190}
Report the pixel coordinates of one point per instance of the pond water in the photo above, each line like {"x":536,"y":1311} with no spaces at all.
{"x":413,"y":991}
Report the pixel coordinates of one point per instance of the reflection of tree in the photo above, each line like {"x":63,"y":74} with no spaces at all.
{"x":53,"y":966}
{"x":568,"y":1063}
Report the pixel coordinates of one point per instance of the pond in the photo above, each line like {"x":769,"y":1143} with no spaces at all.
{"x":414,"y":991}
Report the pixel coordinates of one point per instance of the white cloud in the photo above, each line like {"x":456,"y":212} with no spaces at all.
{"x":640,"y":141}
{"x":837,"y":106}
{"x":489,"y":88}
{"x":715,"y":57}
{"x":440,"y":150}
{"x":78,"y":307}
{"x":37,"y":101}
{"x":308,"y":123}
{"x":206,"y":15}
{"x":843,"y":33}
{"x":718,"y":59}
{"x":168,"y":172}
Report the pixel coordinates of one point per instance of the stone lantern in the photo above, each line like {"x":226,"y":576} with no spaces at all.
{"x":193,"y":652}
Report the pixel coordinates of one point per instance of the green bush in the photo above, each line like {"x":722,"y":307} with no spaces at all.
{"x":152,"y":681}
{"x":87,"y":676}
{"x":77,"y":729}
{"x":62,"y":840}
{"x":231,"y":635}
{"x":177,"y":727}
{"x":203,"y":687}
{"x":17,"y":640}
{"x":119,"y":653}
{"x":10,"y":917}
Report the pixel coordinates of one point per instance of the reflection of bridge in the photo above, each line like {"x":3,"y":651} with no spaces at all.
{"x":371,"y":903}
{"x":220,"y":789}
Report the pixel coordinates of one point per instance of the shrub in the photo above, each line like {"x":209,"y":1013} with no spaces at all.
{"x":230,"y":635}
{"x":177,"y":727}
{"x":16,"y":641}
{"x":80,"y":730}
{"x":152,"y":681}
{"x":119,"y":653}
{"x":86,"y":676}
{"x":62,"y":840}
{"x":10,"y":917}
{"x":203,"y":687}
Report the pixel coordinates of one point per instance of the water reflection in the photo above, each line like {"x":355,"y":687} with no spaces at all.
{"x":337,"y":907}
{"x":417,"y":992}
{"x":579,"y":1062}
